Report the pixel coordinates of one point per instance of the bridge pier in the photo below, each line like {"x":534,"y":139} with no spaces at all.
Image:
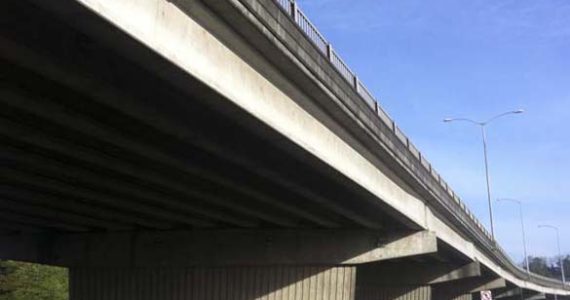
{"x":217,"y":264}
{"x":403,"y":280}
{"x":247,"y":283}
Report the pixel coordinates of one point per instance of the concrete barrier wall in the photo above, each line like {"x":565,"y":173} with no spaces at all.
{"x":230,"y":283}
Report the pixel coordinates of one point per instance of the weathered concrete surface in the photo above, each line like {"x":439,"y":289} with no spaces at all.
{"x":216,"y":248}
{"x":412,"y":273}
{"x":165,"y":28}
{"x":409,"y":279}
{"x":239,"y":283}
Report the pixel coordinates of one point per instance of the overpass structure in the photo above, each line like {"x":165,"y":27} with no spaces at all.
{"x":200,"y":149}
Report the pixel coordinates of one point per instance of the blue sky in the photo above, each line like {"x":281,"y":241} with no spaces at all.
{"x":427,"y":60}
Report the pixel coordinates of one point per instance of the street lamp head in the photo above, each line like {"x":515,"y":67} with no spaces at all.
{"x":508,"y":199}
{"x":518,"y":111}
{"x":446,"y":120}
{"x":546,"y":226}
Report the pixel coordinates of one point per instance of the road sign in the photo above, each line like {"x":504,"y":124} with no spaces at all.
{"x":486,"y":295}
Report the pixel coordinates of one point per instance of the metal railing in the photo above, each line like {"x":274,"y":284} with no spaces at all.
{"x":311,"y":32}
{"x":414,"y":157}
{"x":309,"y":29}
{"x":366,"y":94}
{"x":341,"y":66}
{"x":285,"y":5}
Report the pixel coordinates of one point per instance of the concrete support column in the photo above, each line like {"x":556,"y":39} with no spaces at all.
{"x":235,"y":283}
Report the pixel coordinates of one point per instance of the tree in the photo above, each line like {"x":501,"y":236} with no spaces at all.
{"x":24,"y":281}
{"x":556,"y":268}
{"x":540,"y":266}
{"x":549,"y":267}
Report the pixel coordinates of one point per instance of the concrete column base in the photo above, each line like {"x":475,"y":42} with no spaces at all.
{"x":235,"y":283}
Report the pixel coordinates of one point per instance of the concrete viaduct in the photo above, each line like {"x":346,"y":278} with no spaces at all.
{"x":220,"y":149}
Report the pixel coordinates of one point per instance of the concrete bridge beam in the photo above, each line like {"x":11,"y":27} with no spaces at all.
{"x":216,"y":247}
{"x":404,"y":280}
{"x":518,"y":294}
{"x":417,"y":273}
{"x":215,"y":264}
{"x":463,"y":289}
{"x":508,"y":292}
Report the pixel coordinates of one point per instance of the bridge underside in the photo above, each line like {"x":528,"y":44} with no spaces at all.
{"x":93,"y":140}
{"x":146,"y":182}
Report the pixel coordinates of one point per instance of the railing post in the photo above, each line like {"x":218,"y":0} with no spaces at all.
{"x":294,"y":11}
{"x":329,"y":52}
{"x":355,"y":82}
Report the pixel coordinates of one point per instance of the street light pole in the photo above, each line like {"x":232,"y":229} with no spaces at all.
{"x":484,"y":137}
{"x":491,"y":219}
{"x":561,"y":261}
{"x":527,"y":264}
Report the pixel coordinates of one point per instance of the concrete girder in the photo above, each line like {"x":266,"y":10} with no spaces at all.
{"x":468,"y":286}
{"x":519,"y":293}
{"x":417,"y":273}
{"x":484,"y":284}
{"x":508,"y":293}
{"x":406,"y":279}
{"x":109,"y":95}
{"x":216,"y":247}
